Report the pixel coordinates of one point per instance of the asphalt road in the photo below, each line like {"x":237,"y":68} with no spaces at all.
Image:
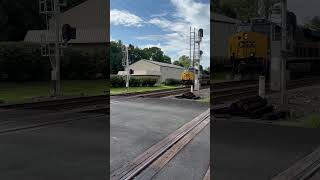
{"x":137,"y":124}
{"x":74,"y":150}
{"x":245,"y":151}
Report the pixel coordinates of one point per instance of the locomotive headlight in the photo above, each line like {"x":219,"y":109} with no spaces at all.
{"x":245,"y":36}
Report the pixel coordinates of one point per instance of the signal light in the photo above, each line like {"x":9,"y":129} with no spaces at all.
{"x":131,"y":47}
{"x":200,"y":32}
{"x":131,"y":71}
{"x":68,"y":32}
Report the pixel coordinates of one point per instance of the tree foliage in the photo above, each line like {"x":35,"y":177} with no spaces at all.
{"x":184,"y":61}
{"x":135,"y":54}
{"x":245,"y":9}
{"x":23,"y":62}
{"x":314,"y":23}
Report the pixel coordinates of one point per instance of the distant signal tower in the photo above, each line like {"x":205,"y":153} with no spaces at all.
{"x":195,"y":54}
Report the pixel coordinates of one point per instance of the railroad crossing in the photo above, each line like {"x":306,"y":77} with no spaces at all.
{"x":159,"y":138}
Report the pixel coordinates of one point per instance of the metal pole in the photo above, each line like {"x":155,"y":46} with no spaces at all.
{"x":127,"y":69}
{"x":190,"y":43}
{"x":57,"y":87}
{"x":262,"y":90}
{"x":193,"y":59}
{"x":284,"y":100}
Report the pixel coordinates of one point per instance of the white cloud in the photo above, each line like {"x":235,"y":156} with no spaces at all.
{"x":189,"y":13}
{"x":160,"y":14}
{"x":125,"y":18}
{"x":175,"y":41}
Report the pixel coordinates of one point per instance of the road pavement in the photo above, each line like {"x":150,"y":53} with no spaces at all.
{"x":73,"y":150}
{"x":245,"y":151}
{"x":137,"y":124}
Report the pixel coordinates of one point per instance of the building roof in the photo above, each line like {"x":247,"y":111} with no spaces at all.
{"x":163,"y":64}
{"x":222,"y":18}
{"x":90,"y":18}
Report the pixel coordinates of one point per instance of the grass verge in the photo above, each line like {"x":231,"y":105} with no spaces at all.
{"x":311,"y":121}
{"x":115,"y":91}
{"x":11,"y":92}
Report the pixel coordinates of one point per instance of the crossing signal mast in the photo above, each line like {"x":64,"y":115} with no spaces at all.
{"x":52,"y":43}
{"x":126,"y":63}
{"x":196,"y":54}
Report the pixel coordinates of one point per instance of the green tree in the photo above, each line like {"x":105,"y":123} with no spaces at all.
{"x":314,"y":23}
{"x":115,"y":57}
{"x":177,"y":63}
{"x":135,"y":54}
{"x":185,"y":61}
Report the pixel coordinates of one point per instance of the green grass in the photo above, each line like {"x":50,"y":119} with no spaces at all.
{"x":311,"y":121}
{"x":205,"y":100}
{"x":21,"y":91}
{"x":115,"y":91}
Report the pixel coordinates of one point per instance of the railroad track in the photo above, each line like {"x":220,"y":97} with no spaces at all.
{"x":79,"y":102}
{"x":61,"y":104}
{"x":233,"y":91}
{"x":302,"y":169}
{"x":154,"y":159}
{"x":14,"y":126}
{"x":158,"y":93}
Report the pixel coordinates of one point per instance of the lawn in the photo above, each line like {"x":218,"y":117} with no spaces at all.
{"x":205,"y":100}
{"x":20,"y":91}
{"x":311,"y":121}
{"x":115,"y":91}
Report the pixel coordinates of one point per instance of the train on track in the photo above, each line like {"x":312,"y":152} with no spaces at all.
{"x":187,"y":77}
{"x":251,"y":48}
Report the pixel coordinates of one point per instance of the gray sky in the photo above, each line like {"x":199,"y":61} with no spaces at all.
{"x":304,"y":8}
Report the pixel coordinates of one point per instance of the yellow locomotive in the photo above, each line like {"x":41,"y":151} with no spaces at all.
{"x":187,"y":77}
{"x":248,"y":52}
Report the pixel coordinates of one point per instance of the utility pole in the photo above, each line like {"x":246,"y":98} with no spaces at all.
{"x":284,"y":99}
{"x":125,"y":64}
{"x":57,"y":87}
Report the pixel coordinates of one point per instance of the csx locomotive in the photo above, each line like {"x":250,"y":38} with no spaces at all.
{"x":187,"y":77}
{"x":251,"y":47}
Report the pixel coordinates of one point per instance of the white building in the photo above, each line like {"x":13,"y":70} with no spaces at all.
{"x":90,"y":18}
{"x":222,"y":27}
{"x":153,"y":68}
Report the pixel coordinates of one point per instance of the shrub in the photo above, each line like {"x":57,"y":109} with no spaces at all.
{"x":20,"y":61}
{"x":135,"y":81}
{"x":172,"y":82}
{"x":148,"y":81}
{"x":117,"y":81}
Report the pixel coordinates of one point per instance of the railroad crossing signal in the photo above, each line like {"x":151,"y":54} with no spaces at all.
{"x":125,"y":63}
{"x":68,"y":33}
